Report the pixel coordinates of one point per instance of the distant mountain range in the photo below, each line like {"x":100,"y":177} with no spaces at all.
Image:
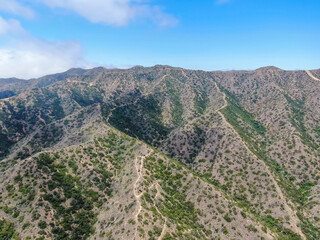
{"x":161,"y":153}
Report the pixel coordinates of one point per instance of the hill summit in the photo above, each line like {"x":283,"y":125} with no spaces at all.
{"x":160,"y":153}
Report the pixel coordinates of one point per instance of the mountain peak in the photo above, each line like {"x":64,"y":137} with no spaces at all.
{"x":269,"y":68}
{"x":76,"y":71}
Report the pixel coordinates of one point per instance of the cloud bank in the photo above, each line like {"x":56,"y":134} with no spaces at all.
{"x":26,"y":57}
{"x":36,"y":58}
{"x":10,"y":26}
{"x":14,"y":7}
{"x":114,"y":12}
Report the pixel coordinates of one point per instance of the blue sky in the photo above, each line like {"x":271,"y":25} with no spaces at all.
{"x":39,"y":37}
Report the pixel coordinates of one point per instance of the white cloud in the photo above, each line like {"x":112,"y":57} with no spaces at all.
{"x":36,"y":58}
{"x":113,"y":12}
{"x":27,"y":57}
{"x":12,"y":6}
{"x":157,"y":15}
{"x":10,"y":26}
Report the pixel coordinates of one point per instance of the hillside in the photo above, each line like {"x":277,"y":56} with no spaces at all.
{"x":161,"y":153}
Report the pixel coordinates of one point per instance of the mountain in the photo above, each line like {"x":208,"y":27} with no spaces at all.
{"x":161,"y":153}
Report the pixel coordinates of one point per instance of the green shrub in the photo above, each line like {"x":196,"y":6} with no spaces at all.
{"x":7,"y":230}
{"x":42,"y":224}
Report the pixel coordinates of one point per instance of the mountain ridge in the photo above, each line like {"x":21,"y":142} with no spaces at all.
{"x":82,"y":70}
{"x":251,"y":136}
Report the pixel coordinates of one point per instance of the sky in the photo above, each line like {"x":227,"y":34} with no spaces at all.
{"x":39,"y":37}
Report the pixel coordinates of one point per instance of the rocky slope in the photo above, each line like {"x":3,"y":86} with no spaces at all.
{"x":161,"y":153}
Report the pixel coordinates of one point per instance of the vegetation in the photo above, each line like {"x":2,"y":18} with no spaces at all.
{"x":142,"y":120}
{"x":175,"y":205}
{"x":235,"y":117}
{"x":7,"y":231}
{"x":76,"y":221}
{"x":177,"y":107}
{"x":297,"y":119}
{"x":71,"y":146}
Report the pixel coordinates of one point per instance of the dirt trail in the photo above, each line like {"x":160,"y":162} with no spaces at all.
{"x":164,"y":230}
{"x":312,"y":76}
{"x":156,"y":84}
{"x":225,"y":103}
{"x":3,"y":99}
{"x":158,"y":191}
{"x":294,"y":219}
{"x":139,"y":168}
{"x":184,"y":73}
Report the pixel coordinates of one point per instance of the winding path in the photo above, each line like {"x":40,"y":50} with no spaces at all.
{"x":312,"y":76}
{"x":139,"y":168}
{"x":291,"y":213}
{"x":164,"y":230}
{"x":137,"y":194}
